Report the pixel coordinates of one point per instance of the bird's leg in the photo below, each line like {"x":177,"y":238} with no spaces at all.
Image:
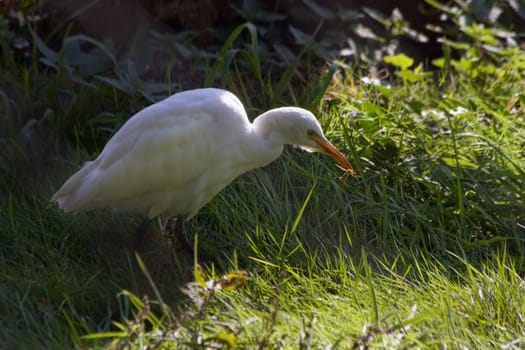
{"x":140,"y":232}
{"x":180,"y":232}
{"x":167,"y":224}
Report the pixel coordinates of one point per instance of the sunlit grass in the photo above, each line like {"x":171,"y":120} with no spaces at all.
{"x":344,"y":304}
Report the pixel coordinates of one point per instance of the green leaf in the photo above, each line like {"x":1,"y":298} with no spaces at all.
{"x":222,"y":62}
{"x":227,"y":338}
{"x":300,"y":37}
{"x":410,"y":76}
{"x":301,"y":212}
{"x":386,"y":91}
{"x":51,"y":56}
{"x":400,"y":60}
{"x":439,"y":62}
{"x":322,"y":12}
{"x":319,"y":91}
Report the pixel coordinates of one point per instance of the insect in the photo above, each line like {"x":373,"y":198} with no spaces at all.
{"x":347,"y":171}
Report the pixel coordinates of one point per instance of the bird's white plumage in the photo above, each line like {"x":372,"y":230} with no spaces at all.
{"x":176,"y":155}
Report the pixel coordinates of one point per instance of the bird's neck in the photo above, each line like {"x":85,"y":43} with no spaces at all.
{"x":267,"y":137}
{"x":265,"y":125}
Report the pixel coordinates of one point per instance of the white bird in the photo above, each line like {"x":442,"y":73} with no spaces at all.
{"x":174,"y":156}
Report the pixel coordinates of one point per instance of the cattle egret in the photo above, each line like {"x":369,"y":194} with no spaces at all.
{"x":174,"y":156}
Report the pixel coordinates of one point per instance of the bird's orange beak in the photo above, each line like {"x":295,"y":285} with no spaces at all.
{"x":333,"y":152}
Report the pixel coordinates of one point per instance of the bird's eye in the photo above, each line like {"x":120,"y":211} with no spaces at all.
{"x":310,"y":133}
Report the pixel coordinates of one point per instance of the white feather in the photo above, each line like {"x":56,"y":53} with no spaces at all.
{"x":176,"y":155}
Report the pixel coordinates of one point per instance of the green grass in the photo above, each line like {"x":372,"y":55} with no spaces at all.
{"x":423,"y":249}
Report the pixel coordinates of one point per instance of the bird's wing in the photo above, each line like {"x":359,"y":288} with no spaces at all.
{"x":159,"y":149}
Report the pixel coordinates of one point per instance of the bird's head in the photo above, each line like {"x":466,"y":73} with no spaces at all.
{"x":300,"y":127}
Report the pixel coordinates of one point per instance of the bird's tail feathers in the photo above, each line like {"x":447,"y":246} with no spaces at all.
{"x":79,"y":191}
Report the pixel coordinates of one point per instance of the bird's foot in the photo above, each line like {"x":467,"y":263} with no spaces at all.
{"x":175,"y":229}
